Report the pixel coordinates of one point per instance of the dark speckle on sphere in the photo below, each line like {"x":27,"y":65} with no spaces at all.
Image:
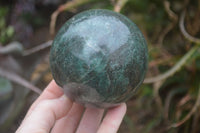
{"x":99,"y":57}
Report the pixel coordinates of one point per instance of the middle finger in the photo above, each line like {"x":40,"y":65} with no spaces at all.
{"x":90,"y":120}
{"x":69,"y":123}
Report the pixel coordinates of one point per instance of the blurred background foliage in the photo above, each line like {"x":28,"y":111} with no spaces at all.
{"x":169,"y":99}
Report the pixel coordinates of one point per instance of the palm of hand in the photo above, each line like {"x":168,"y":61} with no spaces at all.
{"x":55,"y":113}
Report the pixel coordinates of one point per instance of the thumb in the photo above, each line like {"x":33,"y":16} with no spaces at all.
{"x":43,"y":117}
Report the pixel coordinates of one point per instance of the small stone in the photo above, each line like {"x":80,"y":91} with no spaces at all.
{"x":99,"y":57}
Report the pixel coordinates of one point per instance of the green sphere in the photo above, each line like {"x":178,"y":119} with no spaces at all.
{"x":99,"y":57}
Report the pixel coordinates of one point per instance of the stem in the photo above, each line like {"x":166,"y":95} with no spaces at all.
{"x":185,"y":33}
{"x":19,"y":80}
{"x":193,"y":110}
{"x":37,"y":48}
{"x":175,"y":68}
{"x":119,"y":5}
{"x":67,"y":6}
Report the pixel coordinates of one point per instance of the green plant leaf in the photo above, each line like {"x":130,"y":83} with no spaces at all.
{"x":9,"y":31}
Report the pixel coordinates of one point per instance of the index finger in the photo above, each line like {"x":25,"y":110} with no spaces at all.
{"x":52,"y":91}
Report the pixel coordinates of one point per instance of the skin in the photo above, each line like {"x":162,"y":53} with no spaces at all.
{"x":54,"y":112}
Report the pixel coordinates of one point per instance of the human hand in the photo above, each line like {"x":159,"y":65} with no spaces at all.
{"x":54,"y":112}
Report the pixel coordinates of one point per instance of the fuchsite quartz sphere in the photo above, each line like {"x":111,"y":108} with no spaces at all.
{"x":99,"y":57}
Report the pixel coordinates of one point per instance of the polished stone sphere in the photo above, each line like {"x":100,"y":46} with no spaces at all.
{"x":99,"y":57}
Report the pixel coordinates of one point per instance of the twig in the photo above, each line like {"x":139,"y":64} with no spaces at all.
{"x":158,"y":100}
{"x":184,"y":58}
{"x":167,"y":104}
{"x":37,"y":48}
{"x":12,"y":48}
{"x":168,"y":101}
{"x":170,"y":13}
{"x":174,"y":69}
{"x":184,"y":32}
{"x":160,"y":61}
{"x":67,"y":6}
{"x":119,"y":5}
{"x":195,"y":122}
{"x":173,"y":18}
{"x":17,"y":48}
{"x":165,"y":32}
{"x":184,"y":100}
{"x":19,"y":80}
{"x":194,"y":109}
